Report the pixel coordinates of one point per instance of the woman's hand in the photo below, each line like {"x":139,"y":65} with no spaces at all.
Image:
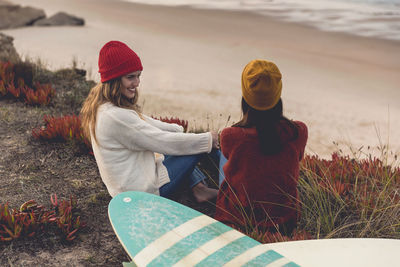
{"x":215,"y":139}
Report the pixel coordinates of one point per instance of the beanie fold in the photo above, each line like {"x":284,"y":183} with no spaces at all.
{"x":120,"y":70}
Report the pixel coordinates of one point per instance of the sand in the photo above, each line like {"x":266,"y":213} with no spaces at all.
{"x":345,"y":88}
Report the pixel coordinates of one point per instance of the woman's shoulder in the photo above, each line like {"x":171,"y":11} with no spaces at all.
{"x":237,"y":133}
{"x":231,"y":131}
{"x":109,"y":110}
{"x":288,"y":125}
{"x":109,"y":107}
{"x":302,"y":133}
{"x":300,"y":124}
{"x":302,"y":127}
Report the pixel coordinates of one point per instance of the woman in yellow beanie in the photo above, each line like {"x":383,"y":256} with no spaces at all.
{"x":263,"y":151}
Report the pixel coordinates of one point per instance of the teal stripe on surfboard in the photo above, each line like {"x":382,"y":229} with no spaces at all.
{"x":152,"y":224}
{"x":228,"y":252}
{"x":264,"y":259}
{"x":291,"y":264}
{"x":189,"y":244}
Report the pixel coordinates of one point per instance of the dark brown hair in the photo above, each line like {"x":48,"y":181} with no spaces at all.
{"x":266,"y":123}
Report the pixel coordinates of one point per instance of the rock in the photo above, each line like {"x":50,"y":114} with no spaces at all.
{"x":59,"y":19}
{"x":4,"y":2}
{"x":14,"y":16}
{"x":7,"y":49}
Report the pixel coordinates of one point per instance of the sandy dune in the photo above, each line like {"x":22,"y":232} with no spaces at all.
{"x":345,"y":88}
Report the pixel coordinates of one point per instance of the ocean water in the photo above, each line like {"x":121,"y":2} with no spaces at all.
{"x":374,"y":18}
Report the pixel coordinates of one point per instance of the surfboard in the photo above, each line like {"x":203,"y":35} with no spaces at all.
{"x":343,"y":252}
{"x":156,"y":231}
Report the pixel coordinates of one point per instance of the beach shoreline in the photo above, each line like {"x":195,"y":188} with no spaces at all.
{"x":344,"y":87}
{"x":375,"y":18}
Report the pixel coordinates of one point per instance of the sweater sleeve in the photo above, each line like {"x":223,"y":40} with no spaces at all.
{"x":127,"y":128}
{"x":302,"y":138}
{"x":170,"y":127}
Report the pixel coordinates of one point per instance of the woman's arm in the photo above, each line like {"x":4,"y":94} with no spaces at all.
{"x":128,"y":129}
{"x":170,"y":127}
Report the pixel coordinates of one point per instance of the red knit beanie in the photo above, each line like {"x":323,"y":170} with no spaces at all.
{"x":117,"y":59}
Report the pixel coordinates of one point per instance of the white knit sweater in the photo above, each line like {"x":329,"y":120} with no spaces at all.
{"x":126,"y":145}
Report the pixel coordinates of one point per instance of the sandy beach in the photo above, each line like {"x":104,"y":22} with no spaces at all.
{"x":345,"y":88}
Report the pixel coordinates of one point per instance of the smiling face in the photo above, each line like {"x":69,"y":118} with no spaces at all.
{"x":129,"y":84}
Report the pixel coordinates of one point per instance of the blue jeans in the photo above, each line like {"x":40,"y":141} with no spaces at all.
{"x":181,"y":170}
{"x":217,"y":156}
{"x":222,"y":161}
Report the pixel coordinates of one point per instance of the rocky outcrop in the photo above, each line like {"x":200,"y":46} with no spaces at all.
{"x":14,"y":16}
{"x":4,"y":2}
{"x":61,"y":18}
{"x":7,"y":50}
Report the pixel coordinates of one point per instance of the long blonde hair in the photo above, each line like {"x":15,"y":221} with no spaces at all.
{"x":109,"y":91}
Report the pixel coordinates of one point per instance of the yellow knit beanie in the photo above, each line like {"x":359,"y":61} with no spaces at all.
{"x":261,"y":84}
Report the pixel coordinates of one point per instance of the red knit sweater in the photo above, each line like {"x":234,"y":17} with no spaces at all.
{"x":259,"y":189}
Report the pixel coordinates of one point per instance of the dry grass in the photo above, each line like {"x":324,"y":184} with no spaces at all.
{"x":349,"y":197}
{"x":344,"y":197}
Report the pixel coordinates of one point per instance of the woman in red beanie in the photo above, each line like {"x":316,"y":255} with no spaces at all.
{"x":263,"y":151}
{"x":134,"y":151}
